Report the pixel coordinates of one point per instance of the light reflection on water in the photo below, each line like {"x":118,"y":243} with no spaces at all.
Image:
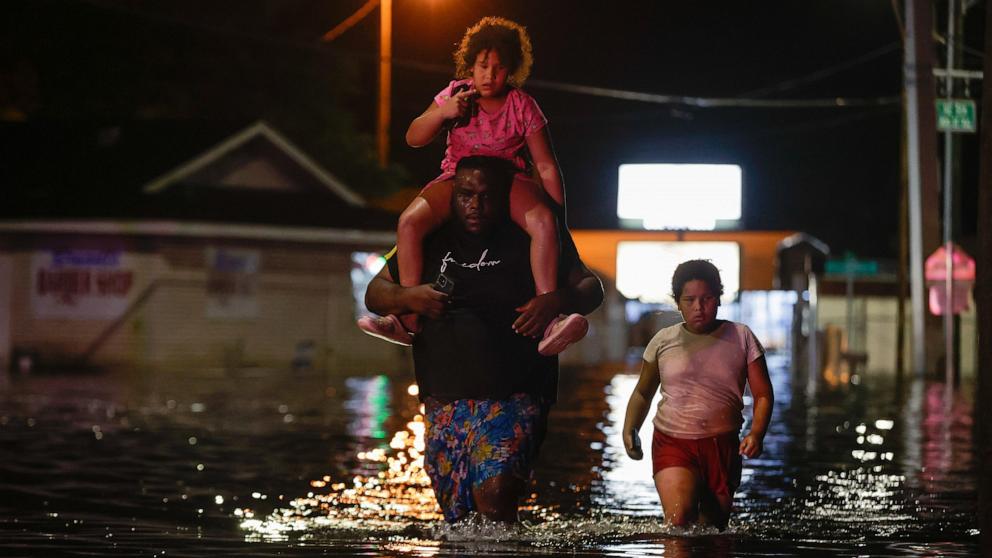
{"x":393,"y":496}
{"x":215,"y":467}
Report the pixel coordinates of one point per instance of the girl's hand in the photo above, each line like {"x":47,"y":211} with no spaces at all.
{"x":751,"y":445}
{"x":632,"y":443}
{"x":457,"y":105}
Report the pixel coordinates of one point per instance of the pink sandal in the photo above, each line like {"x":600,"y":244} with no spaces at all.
{"x":562,"y":332}
{"x":387,"y":328}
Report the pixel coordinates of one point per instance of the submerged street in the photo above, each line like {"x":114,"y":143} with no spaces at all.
{"x":266,"y":463}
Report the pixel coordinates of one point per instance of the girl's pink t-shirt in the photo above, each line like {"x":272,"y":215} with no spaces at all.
{"x":702,"y":378}
{"x":503,"y":134}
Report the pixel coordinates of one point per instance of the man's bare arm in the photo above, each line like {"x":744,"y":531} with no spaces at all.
{"x":584,"y":292}
{"x":385,"y":296}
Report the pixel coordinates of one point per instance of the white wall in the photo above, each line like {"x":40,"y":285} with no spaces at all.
{"x":5,"y":312}
{"x":304,"y":294}
{"x":879,"y":321}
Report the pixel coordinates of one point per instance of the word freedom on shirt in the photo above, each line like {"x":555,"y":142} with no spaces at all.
{"x":476,"y":265}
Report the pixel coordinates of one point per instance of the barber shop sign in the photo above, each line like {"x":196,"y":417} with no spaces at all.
{"x":80,"y":284}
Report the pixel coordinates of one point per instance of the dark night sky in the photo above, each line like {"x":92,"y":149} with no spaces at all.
{"x":831,"y":172}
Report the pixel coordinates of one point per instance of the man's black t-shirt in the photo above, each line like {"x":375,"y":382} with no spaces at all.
{"x":472,"y":352}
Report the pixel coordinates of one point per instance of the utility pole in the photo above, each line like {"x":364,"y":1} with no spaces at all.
{"x":949,"y":351}
{"x":385,"y":78}
{"x":385,"y":65}
{"x":983,"y":299}
{"x":903,"y":252}
{"x":921,"y":139}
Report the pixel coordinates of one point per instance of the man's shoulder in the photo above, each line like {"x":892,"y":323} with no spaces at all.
{"x":444,"y":235}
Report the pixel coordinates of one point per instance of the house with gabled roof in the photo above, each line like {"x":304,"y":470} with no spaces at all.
{"x":181,"y":244}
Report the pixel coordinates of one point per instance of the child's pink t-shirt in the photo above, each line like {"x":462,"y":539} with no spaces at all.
{"x":702,"y":378}
{"x":503,"y":134}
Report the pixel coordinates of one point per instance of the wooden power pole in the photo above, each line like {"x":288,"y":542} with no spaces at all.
{"x":924,"y":192}
{"x":983,"y":299}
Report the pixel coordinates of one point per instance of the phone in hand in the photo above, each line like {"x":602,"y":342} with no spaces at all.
{"x":636,"y":444}
{"x":444,"y":284}
{"x":471,"y":110}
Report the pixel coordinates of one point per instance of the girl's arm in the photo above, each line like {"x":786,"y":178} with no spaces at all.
{"x":761,"y":390}
{"x":637,"y":407}
{"x":425,"y":127}
{"x":539,"y":145}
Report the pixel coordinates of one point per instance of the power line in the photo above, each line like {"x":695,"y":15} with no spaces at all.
{"x":713,"y":102}
{"x":589,"y":90}
{"x":824,"y":73}
{"x":942,"y":39}
{"x":350,"y":21}
{"x":765,"y":130}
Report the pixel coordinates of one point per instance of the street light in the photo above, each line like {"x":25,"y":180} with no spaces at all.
{"x":385,"y":65}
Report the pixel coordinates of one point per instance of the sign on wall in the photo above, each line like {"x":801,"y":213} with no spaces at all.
{"x":232,"y":282}
{"x":80,"y":284}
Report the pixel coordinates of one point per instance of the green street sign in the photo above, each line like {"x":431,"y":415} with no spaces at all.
{"x":956,"y":115}
{"x":852,"y":267}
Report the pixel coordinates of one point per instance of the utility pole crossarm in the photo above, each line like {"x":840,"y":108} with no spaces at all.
{"x":958,"y":74}
{"x":350,"y":21}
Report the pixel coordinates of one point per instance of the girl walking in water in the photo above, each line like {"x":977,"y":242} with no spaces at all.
{"x":701,"y":366}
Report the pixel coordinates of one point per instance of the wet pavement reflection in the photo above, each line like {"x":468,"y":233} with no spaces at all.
{"x":187,"y":464}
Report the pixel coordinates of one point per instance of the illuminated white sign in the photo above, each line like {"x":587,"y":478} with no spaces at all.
{"x":679,"y":196}
{"x":644,"y":269}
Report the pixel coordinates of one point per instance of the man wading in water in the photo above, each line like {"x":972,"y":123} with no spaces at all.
{"x":485,"y":388}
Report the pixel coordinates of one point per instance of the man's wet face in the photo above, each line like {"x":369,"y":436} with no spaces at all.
{"x":476,"y":204}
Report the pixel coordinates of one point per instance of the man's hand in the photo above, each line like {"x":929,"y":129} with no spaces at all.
{"x":425,"y":300}
{"x":537,"y":314}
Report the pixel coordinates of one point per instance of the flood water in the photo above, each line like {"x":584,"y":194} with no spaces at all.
{"x":272,"y":464}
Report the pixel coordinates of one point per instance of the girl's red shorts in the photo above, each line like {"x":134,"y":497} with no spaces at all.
{"x":715,"y":460}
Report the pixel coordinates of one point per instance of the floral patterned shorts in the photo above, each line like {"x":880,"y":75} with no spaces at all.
{"x":472,"y":440}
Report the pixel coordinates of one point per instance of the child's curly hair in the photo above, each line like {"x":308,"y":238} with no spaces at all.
{"x":703,"y":270}
{"x":509,"y":39}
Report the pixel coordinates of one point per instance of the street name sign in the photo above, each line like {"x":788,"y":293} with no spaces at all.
{"x":956,"y":115}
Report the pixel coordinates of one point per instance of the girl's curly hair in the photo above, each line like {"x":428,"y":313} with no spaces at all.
{"x":509,"y":39}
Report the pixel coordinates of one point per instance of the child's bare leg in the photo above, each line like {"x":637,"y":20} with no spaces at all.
{"x":714,"y":509}
{"x":677,"y":487}
{"x":529,"y":209}
{"x":424,"y":214}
